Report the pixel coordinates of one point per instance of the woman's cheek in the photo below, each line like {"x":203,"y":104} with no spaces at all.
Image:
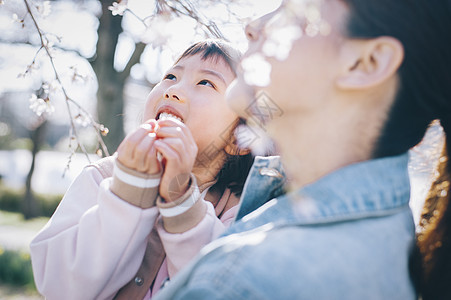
{"x":239,"y":96}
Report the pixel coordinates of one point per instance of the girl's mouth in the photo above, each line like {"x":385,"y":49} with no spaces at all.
{"x":168,"y":113}
{"x":168,"y":116}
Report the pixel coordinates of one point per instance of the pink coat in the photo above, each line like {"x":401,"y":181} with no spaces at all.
{"x":107,"y":235}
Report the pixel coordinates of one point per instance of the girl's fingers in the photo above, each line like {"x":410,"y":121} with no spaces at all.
{"x":133,"y":151}
{"x":127,"y":148}
{"x":176,"y":145}
{"x":164,"y":132}
{"x":167,"y":151}
{"x":174,"y":131}
{"x":179,"y":127}
{"x":152,"y":161}
{"x":150,"y":125}
{"x":170,"y":123}
{"x":170,"y":129}
{"x":142,"y":153}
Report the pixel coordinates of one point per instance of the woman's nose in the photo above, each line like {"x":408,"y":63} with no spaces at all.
{"x":253,"y":30}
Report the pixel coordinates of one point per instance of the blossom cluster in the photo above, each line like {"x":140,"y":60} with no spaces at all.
{"x":41,"y":105}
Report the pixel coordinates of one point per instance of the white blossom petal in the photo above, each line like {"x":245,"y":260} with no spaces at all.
{"x":118,"y":8}
{"x":257,"y":71}
{"x":158,"y":31}
{"x":44,"y":8}
{"x":280,"y":41}
{"x":40,"y":106}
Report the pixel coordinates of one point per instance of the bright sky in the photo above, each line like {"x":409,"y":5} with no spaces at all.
{"x":77,"y":22}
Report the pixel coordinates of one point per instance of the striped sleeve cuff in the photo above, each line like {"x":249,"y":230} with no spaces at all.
{"x":138,"y":189}
{"x":185,"y":212}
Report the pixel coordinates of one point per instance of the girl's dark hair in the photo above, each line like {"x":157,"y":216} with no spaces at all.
{"x":236,"y":167}
{"x":214,"y":49}
{"x":424,"y":94}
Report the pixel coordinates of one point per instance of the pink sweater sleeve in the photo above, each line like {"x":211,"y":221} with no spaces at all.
{"x":93,"y":244}
{"x":180,"y":248}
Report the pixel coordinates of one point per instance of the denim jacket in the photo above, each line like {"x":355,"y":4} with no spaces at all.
{"x":346,"y":236}
{"x":265,"y":181}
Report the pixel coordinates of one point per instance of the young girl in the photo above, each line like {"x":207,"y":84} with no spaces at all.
{"x":355,"y":101}
{"x":131,"y":221}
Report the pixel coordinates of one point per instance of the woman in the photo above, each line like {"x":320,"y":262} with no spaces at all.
{"x":354,"y":101}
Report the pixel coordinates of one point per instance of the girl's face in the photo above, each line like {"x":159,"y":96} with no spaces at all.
{"x":303,"y":83}
{"x":194,"y":91}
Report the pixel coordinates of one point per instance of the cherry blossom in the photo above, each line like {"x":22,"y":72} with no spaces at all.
{"x":257,"y":70}
{"x":118,"y":8}
{"x":44,"y":9}
{"x":40,"y":106}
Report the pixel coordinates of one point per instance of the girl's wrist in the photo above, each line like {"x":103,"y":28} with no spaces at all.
{"x":136,"y":188}
{"x":183,"y":202}
{"x":185,"y":212}
{"x":178,"y":187}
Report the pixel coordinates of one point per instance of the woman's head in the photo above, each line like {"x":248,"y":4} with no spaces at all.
{"x":383,"y":69}
{"x":424,"y":93}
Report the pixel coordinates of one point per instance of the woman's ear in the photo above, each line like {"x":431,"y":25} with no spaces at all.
{"x":368,"y":63}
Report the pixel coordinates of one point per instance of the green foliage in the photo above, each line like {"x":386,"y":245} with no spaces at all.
{"x":11,"y":200}
{"x":15,"y":268}
{"x":48,"y":203}
{"x":23,"y":143}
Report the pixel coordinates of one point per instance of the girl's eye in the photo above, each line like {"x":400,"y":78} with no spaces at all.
{"x":207,"y":83}
{"x":170,"y":76}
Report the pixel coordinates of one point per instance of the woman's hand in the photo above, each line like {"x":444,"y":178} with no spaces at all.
{"x":137,"y":150}
{"x":179,"y":150}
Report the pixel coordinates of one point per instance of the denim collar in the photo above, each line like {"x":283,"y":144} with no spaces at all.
{"x":368,"y":189}
{"x":265,"y":181}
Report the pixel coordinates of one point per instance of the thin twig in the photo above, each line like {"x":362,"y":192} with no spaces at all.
{"x":44,"y":44}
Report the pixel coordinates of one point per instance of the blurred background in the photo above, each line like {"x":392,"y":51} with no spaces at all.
{"x":74,"y":76}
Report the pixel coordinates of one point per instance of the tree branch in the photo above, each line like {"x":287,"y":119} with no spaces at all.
{"x":96,"y":126}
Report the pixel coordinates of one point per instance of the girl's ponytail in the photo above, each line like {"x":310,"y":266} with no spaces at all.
{"x":434,"y":236}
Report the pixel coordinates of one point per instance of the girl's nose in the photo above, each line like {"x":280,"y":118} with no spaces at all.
{"x":172,"y":96}
{"x":174,"y":93}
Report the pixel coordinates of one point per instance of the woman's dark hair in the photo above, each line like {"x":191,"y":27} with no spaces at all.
{"x":432,"y":258}
{"x":236,"y":166}
{"x":424,"y":94}
{"x":423,"y":28}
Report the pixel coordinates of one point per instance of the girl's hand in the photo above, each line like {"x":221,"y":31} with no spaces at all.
{"x":137,"y":150}
{"x":179,"y":150}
